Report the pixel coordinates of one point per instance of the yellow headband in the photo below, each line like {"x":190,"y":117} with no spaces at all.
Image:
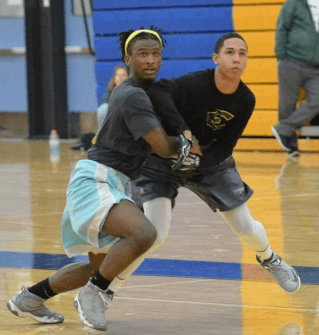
{"x":137,"y":32}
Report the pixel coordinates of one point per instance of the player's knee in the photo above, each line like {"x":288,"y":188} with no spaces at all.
{"x":151,"y":235}
{"x":145,"y":238}
{"x":251,"y":229}
{"x":245,"y":229}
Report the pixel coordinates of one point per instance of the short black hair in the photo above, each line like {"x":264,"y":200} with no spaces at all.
{"x":220,"y":43}
{"x":123,"y":36}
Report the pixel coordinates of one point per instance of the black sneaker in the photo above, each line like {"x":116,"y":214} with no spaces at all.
{"x":286,"y":142}
{"x":293,"y":152}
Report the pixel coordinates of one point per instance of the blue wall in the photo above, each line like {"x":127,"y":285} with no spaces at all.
{"x":13,"y":91}
{"x":80,"y":68}
{"x":191,"y":28}
{"x":81,"y":83}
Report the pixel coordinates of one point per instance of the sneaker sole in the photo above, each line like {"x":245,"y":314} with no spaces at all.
{"x":83,"y":319}
{"x":276,"y":134}
{"x":289,"y":292}
{"x":293,"y":154}
{"x":14,"y":309}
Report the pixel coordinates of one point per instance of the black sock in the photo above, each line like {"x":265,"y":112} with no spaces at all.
{"x":42,"y":289}
{"x":99,"y":281}
{"x":109,"y":292}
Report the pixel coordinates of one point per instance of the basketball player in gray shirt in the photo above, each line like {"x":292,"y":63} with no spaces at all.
{"x":100,"y":219}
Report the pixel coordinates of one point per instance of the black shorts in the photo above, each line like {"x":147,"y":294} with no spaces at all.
{"x":220,"y":186}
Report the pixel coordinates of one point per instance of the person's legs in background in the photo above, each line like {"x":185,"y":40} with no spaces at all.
{"x":309,"y":107}
{"x":291,"y":78}
{"x":290,"y":81}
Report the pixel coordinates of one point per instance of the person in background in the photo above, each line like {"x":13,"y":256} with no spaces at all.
{"x":121,"y":72}
{"x":297,"y":53}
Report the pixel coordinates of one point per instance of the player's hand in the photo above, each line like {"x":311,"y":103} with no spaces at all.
{"x":195,"y":148}
{"x":191,"y":163}
{"x":183,"y":146}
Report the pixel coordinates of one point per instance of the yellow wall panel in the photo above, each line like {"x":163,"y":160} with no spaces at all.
{"x":261,"y":70}
{"x":260,"y":123}
{"x":249,"y":2}
{"x":259,"y":17}
{"x":266,"y":96}
{"x":261,"y":44}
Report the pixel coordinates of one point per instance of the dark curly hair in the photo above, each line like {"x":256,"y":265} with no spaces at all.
{"x":123,"y":36}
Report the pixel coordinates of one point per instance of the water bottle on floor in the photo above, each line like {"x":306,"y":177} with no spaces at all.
{"x":54,"y":145}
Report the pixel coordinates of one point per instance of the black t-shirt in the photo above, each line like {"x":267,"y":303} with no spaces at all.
{"x":119,"y":143}
{"x":216,"y":119}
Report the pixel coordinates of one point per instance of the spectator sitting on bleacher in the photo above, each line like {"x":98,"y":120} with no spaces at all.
{"x":298,"y":67}
{"x":121,"y":72}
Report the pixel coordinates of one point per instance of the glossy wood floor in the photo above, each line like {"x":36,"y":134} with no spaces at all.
{"x":189,"y":297}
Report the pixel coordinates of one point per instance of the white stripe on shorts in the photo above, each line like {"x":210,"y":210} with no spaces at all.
{"x":106,"y":199}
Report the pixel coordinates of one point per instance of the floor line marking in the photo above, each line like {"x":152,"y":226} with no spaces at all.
{"x":219,"y":304}
{"x":164,"y":284}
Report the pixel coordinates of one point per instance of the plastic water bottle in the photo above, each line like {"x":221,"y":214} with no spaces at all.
{"x":54,"y":145}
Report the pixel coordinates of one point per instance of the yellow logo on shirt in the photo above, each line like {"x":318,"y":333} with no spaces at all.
{"x":218,"y":119}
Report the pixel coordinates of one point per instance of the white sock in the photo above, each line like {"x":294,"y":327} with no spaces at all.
{"x":252,"y":232}
{"x":266,"y":254}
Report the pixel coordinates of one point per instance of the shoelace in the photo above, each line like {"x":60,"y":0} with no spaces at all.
{"x":107,"y":298}
{"x":273,"y":267}
{"x":101,"y":301}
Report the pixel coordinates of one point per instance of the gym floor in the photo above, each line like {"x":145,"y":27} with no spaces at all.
{"x":202,"y":281}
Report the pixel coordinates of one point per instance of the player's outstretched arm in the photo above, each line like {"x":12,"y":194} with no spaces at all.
{"x":161,"y":144}
{"x":168,"y":147}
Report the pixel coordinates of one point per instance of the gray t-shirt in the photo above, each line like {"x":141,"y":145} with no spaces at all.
{"x":119,"y":143}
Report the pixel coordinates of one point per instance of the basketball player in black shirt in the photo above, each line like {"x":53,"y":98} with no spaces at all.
{"x":216,"y":105}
